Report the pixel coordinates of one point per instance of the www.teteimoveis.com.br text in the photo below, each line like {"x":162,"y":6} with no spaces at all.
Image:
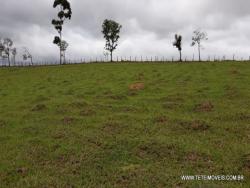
{"x":212,"y":177}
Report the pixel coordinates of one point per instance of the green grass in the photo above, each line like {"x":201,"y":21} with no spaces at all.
{"x":81,"y":125}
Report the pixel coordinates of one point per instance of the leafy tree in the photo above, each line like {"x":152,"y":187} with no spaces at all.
{"x":64,"y":13}
{"x":178,"y":44}
{"x":111,"y":31}
{"x":197,"y":38}
{"x":7,"y":45}
{"x":27,"y":55}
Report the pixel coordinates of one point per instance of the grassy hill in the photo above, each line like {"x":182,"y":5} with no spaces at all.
{"x":124,"y":125}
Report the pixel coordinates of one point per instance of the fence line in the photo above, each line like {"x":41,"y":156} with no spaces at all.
{"x":130,"y":59}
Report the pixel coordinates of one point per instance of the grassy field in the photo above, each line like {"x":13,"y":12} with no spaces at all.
{"x":124,"y":125}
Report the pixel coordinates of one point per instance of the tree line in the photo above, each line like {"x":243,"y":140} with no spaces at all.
{"x":110,"y":30}
{"x":9,"y":52}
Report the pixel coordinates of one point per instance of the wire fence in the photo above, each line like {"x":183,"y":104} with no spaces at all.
{"x":136,"y":59}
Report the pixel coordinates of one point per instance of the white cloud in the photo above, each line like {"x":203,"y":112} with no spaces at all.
{"x":148,"y":26}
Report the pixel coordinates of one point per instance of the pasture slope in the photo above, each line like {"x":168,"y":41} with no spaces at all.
{"x":124,"y":125}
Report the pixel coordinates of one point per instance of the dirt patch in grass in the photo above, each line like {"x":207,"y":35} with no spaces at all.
{"x":137,"y":86}
{"x":234,"y":72}
{"x":68,"y":120}
{"x":22,"y":171}
{"x":39,"y":107}
{"x":59,"y":135}
{"x":206,"y":106}
{"x":129,"y":176}
{"x":94,"y":141}
{"x":2,"y":123}
{"x":156,"y":151}
{"x":161,"y":119}
{"x":194,"y":157}
{"x":196,"y":125}
{"x":246,"y":163}
{"x":112,"y":127}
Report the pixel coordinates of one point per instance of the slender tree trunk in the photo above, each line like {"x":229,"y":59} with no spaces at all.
{"x":14,"y":60}
{"x":60,"y":48}
{"x":111,"y":56}
{"x":9,"y":60}
{"x":199,"y":50}
{"x":180,"y":56}
{"x":64,"y":57}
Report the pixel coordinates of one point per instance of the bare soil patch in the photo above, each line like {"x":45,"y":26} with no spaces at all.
{"x":206,"y":106}
{"x":161,"y":119}
{"x":194,"y":157}
{"x":112,"y":127}
{"x":68,"y":120}
{"x":246,"y":163}
{"x":2,"y":123}
{"x":234,"y":72}
{"x":22,"y":171}
{"x":137,"y":86}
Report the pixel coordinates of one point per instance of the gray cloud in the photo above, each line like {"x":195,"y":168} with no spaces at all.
{"x":148,"y":26}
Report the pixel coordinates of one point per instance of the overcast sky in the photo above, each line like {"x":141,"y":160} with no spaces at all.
{"x":148,"y":27}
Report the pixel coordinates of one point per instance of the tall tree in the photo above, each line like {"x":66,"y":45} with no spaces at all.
{"x":7,"y":43}
{"x":111,"y":31}
{"x":27,"y":55}
{"x":178,"y":44}
{"x":197,"y":38}
{"x":64,"y":13}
